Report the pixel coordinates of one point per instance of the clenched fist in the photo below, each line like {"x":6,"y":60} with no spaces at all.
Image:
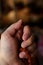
{"x":15,"y":36}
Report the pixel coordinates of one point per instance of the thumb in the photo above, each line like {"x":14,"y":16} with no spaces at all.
{"x":14,"y":27}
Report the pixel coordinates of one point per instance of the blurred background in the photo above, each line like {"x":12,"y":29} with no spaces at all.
{"x":31,"y":13}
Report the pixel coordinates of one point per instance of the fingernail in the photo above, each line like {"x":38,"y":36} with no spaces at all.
{"x":23,"y":45}
{"x":22,"y":55}
{"x":20,"y":21}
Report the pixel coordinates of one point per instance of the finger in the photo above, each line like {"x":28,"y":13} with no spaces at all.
{"x":22,"y":55}
{"x":32,"y":48}
{"x":26,"y":33}
{"x":19,"y":35}
{"x":12,"y":29}
{"x":27,"y":43}
{"x":34,"y":54}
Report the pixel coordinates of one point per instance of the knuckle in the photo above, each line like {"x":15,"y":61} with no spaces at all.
{"x":32,"y":47}
{"x":34,"y":54}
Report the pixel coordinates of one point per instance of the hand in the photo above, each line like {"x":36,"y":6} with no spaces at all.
{"x":10,"y":41}
{"x":9,"y":45}
{"x":29,"y":44}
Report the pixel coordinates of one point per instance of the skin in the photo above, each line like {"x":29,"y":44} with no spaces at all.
{"x":10,"y":41}
{"x":10,"y":18}
{"x":25,"y":13}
